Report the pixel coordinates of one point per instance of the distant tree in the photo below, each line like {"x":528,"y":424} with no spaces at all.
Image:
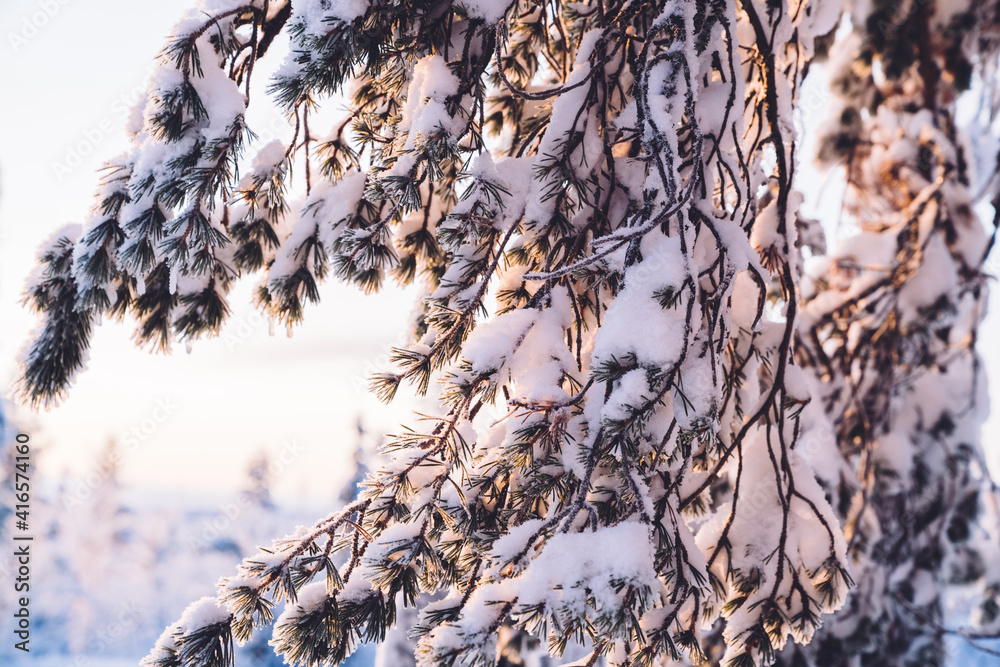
{"x":8,"y":471}
{"x":94,"y":561}
{"x":670,"y":428}
{"x":255,"y":526}
{"x":364,"y":451}
{"x":258,"y":488}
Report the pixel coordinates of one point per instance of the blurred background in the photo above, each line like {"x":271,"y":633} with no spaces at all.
{"x":160,"y":471}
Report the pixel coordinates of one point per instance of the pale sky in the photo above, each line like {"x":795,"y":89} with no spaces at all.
{"x":66,"y":80}
{"x":69,"y":69}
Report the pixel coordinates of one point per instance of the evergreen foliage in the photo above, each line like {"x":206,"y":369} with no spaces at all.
{"x":663,"y":434}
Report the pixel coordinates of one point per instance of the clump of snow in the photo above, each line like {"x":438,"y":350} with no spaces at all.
{"x":425,"y":113}
{"x":622,"y":553}
{"x":630,"y":393}
{"x":491,"y":11}
{"x":515,"y":540}
{"x":311,"y":597}
{"x":488,"y":346}
{"x":203,"y":613}
{"x":332,"y":204}
{"x":635,"y":322}
{"x":316,"y":13}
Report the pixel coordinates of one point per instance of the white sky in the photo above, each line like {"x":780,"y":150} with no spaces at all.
{"x":67,"y":75}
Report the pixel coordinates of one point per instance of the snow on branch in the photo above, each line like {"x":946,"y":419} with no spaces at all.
{"x":666,"y":427}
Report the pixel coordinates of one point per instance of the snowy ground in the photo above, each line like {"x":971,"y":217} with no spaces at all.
{"x":362,"y":658}
{"x":72,"y":661}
